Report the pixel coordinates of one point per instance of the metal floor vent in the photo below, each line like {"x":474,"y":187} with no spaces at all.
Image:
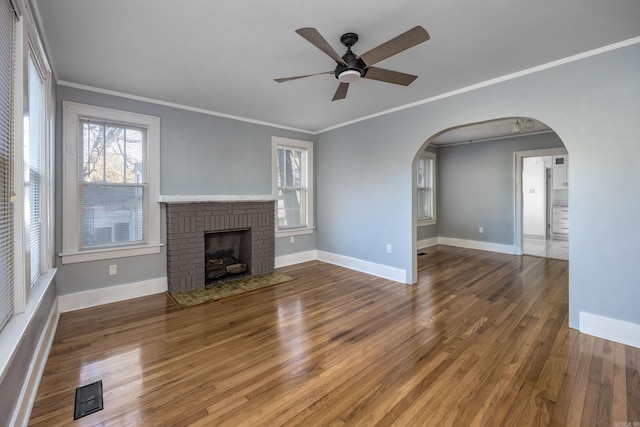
{"x":88,"y":399}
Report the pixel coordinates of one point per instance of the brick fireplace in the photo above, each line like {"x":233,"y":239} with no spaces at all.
{"x":189,"y":223}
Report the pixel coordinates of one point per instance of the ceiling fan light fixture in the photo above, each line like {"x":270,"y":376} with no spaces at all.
{"x":523,"y":124}
{"x":349,"y":76}
{"x":517,"y":127}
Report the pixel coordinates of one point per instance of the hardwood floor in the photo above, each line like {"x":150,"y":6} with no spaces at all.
{"x":482,"y":339}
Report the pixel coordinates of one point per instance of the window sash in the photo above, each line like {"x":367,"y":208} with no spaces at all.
{"x":425,"y":204}
{"x":107,"y":219}
{"x":33,"y":162}
{"x":112,"y":153}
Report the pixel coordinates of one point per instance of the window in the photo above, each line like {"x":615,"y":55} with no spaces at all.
{"x":425,"y":183}
{"x":7,"y":81}
{"x":293,"y":178}
{"x":111,"y":181}
{"x":25,"y":164}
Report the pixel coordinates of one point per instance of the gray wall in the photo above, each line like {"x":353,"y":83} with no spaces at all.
{"x":365,"y":190}
{"x":427,"y":231}
{"x":476,"y":187}
{"x":200,"y":154}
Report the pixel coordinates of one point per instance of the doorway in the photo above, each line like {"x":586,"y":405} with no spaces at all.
{"x":544,"y":192}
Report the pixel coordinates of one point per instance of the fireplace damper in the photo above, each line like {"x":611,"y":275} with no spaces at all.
{"x":227,"y":255}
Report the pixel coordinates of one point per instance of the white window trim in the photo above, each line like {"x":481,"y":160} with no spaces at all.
{"x":72,"y":113}
{"x":434,"y":220}
{"x":277,"y":141}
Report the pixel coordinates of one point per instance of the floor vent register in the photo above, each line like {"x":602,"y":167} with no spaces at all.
{"x":88,"y":400}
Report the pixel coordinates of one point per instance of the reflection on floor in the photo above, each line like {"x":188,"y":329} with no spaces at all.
{"x":558,"y":249}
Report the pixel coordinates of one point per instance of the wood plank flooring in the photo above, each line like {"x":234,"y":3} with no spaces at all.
{"x":480,"y":340}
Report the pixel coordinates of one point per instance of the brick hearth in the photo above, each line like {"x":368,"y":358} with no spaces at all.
{"x":188,"y":222}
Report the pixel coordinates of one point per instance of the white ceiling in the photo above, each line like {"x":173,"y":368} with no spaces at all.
{"x":223,"y":56}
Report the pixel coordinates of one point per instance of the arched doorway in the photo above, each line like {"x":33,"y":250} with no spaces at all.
{"x":478,"y":186}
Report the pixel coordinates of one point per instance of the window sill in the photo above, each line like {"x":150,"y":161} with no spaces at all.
{"x":16,"y":328}
{"x":100,"y":254}
{"x":295,"y":232}
{"x":424,"y":222}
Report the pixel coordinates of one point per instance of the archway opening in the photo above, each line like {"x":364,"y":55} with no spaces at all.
{"x":477,"y":184}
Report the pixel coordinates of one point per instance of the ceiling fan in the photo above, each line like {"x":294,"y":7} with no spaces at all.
{"x":351,"y":67}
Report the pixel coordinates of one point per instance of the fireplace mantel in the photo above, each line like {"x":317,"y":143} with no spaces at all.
{"x":200,"y":198}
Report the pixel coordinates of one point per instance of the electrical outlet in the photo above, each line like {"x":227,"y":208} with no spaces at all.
{"x":113,"y":269}
{"x":481,"y":230}
{"x":389,"y":249}
{"x":292,"y":239}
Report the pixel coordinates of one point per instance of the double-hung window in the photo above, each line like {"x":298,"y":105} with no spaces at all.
{"x":293,"y":185}
{"x":25,"y":164}
{"x":111,"y":177}
{"x":425,"y":183}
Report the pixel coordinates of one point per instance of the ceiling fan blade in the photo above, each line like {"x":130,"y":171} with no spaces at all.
{"x":341,"y":93}
{"x":286,"y":79}
{"x":313,"y":36}
{"x":389,"y":76}
{"x":404,"y":41}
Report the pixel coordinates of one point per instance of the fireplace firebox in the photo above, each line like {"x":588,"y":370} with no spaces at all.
{"x":227,"y":255}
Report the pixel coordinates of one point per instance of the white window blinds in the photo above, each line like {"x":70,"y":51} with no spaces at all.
{"x":7,"y":69}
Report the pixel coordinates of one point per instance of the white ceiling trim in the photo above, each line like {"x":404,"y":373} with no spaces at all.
{"x":497,"y":80}
{"x":178,"y":106}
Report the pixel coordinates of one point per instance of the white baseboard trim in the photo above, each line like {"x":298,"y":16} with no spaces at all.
{"x":297,"y":258}
{"x":107,"y":295}
{"x":421,"y":244}
{"x":475,"y":244}
{"x":32,"y":381}
{"x":380,"y":270}
{"x":610,"y":329}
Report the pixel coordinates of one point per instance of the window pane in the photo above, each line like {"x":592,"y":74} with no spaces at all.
{"x":135,"y":149}
{"x":424,"y":173}
{"x":424,"y":203}
{"x":289,"y":167}
{"x":114,"y":154}
{"x":292,"y":205}
{"x":112,"y":214}
{"x":92,"y":152}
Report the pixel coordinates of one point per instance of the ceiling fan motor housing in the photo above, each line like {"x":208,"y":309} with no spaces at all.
{"x":351,"y":61}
